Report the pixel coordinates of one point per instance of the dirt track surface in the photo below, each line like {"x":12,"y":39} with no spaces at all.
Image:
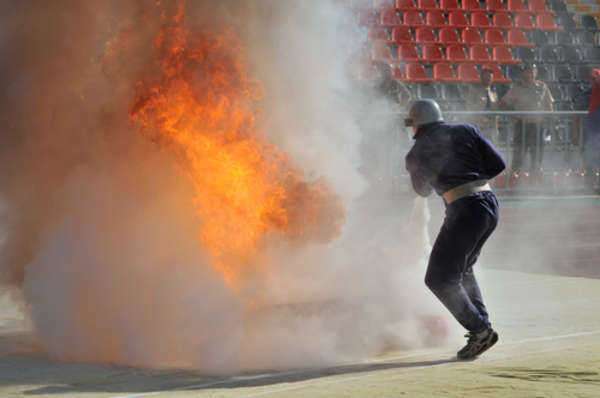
{"x":550,"y":347}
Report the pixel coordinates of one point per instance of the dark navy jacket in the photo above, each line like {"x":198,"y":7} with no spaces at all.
{"x":445,"y":156}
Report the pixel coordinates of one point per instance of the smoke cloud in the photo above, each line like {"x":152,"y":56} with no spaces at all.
{"x":100,"y":232}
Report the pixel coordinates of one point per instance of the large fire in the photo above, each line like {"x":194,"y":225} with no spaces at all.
{"x":202,"y":108}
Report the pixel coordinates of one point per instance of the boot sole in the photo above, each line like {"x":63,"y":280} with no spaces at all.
{"x":493,"y":340}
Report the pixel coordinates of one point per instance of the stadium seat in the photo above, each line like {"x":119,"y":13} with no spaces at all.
{"x":380,"y":51}
{"x":436,"y":19}
{"x":480,"y":19}
{"x":495,"y":37}
{"x":540,"y":38}
{"x":593,"y":54}
{"x":367,"y":18}
{"x":545,"y":21}
{"x":495,"y":5}
{"x":471,"y":36}
{"x":432,"y":53}
{"x":571,"y":55}
{"x":444,"y":72}
{"x":416,"y":73}
{"x":413,"y":18}
{"x":584,"y":37}
{"x":537,"y":6}
{"x":405,"y":5}
{"x":502,"y":19}
{"x":401,"y":34}
{"x":389,"y":17}
{"x":516,"y":5}
{"x":470,"y":5}
{"x":428,"y":5}
{"x":557,"y":5}
{"x":425,"y":34}
{"x":456,"y":53}
{"x":407,"y":52}
{"x":545,"y":73}
{"x":503,"y":55}
{"x":589,"y":22}
{"x":524,"y":21}
{"x":398,"y":73}
{"x":550,"y":54}
{"x":458,"y":19}
{"x":566,"y":21}
{"x":449,"y":36}
{"x":479,"y":53}
{"x":378,"y":34}
{"x":517,"y":38}
{"x":528,"y":55}
{"x":564,"y":73}
{"x":468,"y":73}
{"x":497,"y":74}
{"x":449,"y":5}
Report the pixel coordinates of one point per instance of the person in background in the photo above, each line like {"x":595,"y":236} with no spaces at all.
{"x":457,"y":162}
{"x":528,"y":94}
{"x":483,"y":97}
{"x":591,"y":133}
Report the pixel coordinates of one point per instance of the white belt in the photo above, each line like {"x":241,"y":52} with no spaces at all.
{"x":465,"y":190}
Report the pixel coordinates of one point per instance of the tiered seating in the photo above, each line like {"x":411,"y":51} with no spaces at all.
{"x":449,"y":41}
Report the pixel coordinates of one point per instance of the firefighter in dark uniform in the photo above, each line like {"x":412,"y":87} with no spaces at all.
{"x":456,"y":161}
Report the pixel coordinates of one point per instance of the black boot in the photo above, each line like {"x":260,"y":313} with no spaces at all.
{"x":477,"y":344}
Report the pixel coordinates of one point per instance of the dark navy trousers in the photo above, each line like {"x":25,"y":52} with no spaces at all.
{"x":468,"y":224}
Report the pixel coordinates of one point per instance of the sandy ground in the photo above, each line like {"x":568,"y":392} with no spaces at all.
{"x":550,"y":347}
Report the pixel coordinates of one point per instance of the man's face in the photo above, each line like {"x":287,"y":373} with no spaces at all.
{"x":529,"y":75}
{"x":486,"y":78}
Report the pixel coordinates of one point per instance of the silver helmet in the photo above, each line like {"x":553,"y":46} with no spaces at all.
{"x":423,"y":111}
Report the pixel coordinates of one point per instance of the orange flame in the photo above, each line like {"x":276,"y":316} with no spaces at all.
{"x":201,"y":107}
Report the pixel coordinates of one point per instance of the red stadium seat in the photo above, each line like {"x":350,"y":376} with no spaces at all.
{"x":456,"y":53}
{"x":432,"y":53}
{"x":503,"y":55}
{"x":404,"y":5}
{"x":390,"y":17}
{"x":524,"y":21}
{"x":407,"y":52}
{"x":381,"y":52}
{"x":502,"y":20}
{"x":537,"y":6}
{"x":416,"y":73}
{"x":480,"y":19}
{"x":468,"y":73}
{"x":449,"y":5}
{"x":495,"y":5}
{"x":413,"y":18}
{"x":517,"y":38}
{"x":401,"y":34}
{"x":497,"y":74}
{"x":471,"y":36}
{"x":516,"y":5}
{"x":425,"y":34}
{"x":428,"y":5}
{"x":378,"y":34}
{"x":546,"y":21}
{"x":457,"y":19}
{"x":470,"y":5}
{"x":398,"y":73}
{"x":449,"y":36}
{"x":367,"y":18}
{"x":436,"y":19}
{"x":494,"y":37}
{"x":444,"y":72}
{"x":479,"y":53}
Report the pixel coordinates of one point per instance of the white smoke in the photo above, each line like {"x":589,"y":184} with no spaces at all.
{"x":104,"y":243}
